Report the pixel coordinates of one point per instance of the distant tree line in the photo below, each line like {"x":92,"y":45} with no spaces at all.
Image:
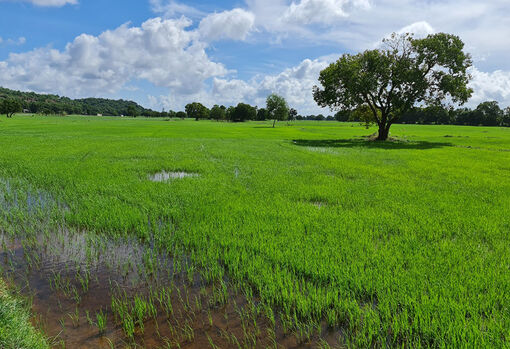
{"x":318,"y":117}
{"x":276,"y":109}
{"x":485,"y":114}
{"x":55,"y":105}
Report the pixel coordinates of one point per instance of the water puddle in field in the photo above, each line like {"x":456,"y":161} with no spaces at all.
{"x":319,"y":204}
{"x":321,"y":150}
{"x":89,"y":291}
{"x":164,"y":176}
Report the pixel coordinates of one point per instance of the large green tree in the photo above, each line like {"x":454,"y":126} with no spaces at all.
{"x":242,"y":112}
{"x":488,"y":114}
{"x":218,"y":112}
{"x":277,"y":108}
{"x":404,"y":72}
{"x":197,"y":110}
{"x":9,"y":106}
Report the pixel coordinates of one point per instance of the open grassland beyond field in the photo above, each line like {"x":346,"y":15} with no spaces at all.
{"x":389,"y":243}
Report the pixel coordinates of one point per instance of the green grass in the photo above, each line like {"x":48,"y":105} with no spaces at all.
{"x":393,"y":243}
{"x":15,"y":328}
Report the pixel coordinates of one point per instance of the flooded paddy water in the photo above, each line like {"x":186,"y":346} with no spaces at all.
{"x":89,"y":290}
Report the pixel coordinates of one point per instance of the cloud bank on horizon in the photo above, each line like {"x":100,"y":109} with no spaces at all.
{"x":175,"y":49}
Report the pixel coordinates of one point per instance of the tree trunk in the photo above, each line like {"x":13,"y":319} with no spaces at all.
{"x":274,"y":122}
{"x":384,"y":131}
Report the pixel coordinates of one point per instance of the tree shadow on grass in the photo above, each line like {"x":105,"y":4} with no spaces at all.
{"x":364,"y":143}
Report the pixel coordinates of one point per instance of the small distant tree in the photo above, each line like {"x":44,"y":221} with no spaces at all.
{"x":131,"y":111}
{"x":10,"y":106}
{"x":506,"y":117}
{"x":277,"y":108}
{"x":488,"y":114}
{"x":261,"y":114}
{"x":292,"y":114}
{"x":343,"y":115}
{"x":461,"y":116}
{"x":391,"y":81}
{"x":181,"y":115}
{"x":197,"y":111}
{"x":230,"y":113}
{"x":45,"y":111}
{"x":243,"y":112}
{"x":218,"y":112}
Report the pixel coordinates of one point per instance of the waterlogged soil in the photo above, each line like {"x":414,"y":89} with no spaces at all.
{"x":164,"y":176}
{"x":71,"y":277}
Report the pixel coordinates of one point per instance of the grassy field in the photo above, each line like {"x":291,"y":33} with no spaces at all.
{"x":15,"y":328}
{"x":390,"y":243}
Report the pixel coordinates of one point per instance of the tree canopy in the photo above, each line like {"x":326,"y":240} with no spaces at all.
{"x":9,"y":106}
{"x":382,"y":84}
{"x":262,"y":114}
{"x":277,"y":108}
{"x":52,"y":104}
{"x":242,"y":112}
{"x":197,"y":110}
{"x":218,"y":112}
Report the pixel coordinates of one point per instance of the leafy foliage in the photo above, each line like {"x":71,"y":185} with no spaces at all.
{"x":277,"y":108}
{"x":218,"y":112}
{"x":262,"y":114}
{"x":197,"y":111}
{"x":384,"y":83}
{"x":243,"y":112}
{"x":56,"y":105}
{"x":9,"y":106}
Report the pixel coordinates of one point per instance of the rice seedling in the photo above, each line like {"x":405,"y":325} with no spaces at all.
{"x":75,"y":317}
{"x":211,"y":343}
{"x":101,"y":318}
{"x":209,"y":317}
{"x":140,"y":311}
{"x":89,"y":319}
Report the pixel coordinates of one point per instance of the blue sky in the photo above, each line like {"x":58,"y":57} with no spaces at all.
{"x":166,"y":53}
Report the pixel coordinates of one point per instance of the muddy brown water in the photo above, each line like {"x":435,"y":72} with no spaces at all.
{"x":51,"y":269}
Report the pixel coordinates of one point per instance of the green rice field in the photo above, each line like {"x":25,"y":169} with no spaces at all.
{"x":379,"y":244}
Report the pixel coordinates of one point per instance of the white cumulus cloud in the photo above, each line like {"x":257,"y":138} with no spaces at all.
{"x":172,"y":8}
{"x":234,"y":24}
{"x":163,"y":52}
{"x":493,"y":86}
{"x":295,"y":84}
{"x":419,"y":29}
{"x":322,"y":11}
